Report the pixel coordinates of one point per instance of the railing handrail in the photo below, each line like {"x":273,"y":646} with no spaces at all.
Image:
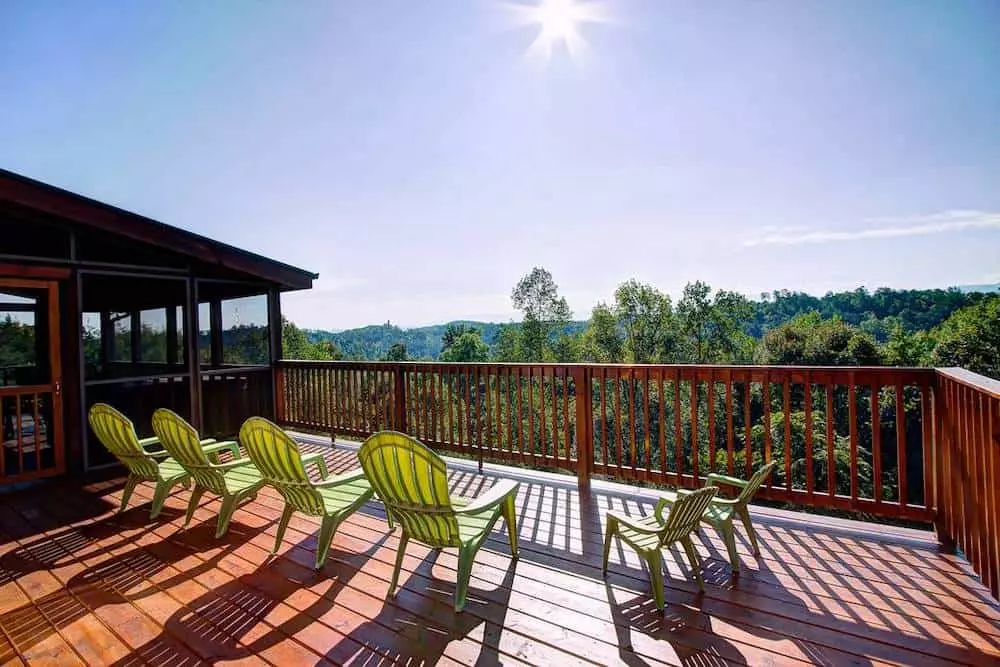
{"x":971,"y":380}
{"x":591,"y":364}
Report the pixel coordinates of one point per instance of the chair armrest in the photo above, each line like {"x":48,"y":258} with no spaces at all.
{"x":715,"y":478}
{"x":667,"y":500}
{"x":496,"y":495}
{"x":148,"y":442}
{"x":230,"y":465}
{"x":351,"y":476}
{"x":213,"y":447}
{"x":631,"y":523}
{"x":317,"y":458}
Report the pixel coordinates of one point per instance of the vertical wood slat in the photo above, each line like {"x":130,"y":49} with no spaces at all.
{"x":678,"y":434}
{"x":542,"y":428}
{"x":831,"y":460}
{"x":747,"y":431}
{"x":710,"y":397}
{"x":581,"y":442}
{"x":520,"y":419}
{"x":786,"y":397}
{"x":632,"y":426}
{"x":901,"y":468}
{"x":605,"y":448}
{"x":694,"y":432}
{"x":852,"y":410}
{"x":661,"y":392}
{"x":646,"y":443}
{"x":876,"y":413}
{"x":768,"y":444}
{"x":531,"y":415}
{"x":616,"y":412}
{"x":808,"y":398}
{"x":730,"y":434}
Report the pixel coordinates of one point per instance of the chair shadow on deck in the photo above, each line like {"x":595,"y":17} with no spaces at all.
{"x":121,"y":578}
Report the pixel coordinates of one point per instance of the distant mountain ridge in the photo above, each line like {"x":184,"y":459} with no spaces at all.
{"x":874,"y":311}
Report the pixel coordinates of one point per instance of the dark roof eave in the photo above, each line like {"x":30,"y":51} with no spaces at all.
{"x":77,"y":208}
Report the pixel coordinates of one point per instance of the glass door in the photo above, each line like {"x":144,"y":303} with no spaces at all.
{"x":31,"y":433}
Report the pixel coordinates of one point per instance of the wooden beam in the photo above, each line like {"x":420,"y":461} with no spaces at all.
{"x":41,"y":272}
{"x":215,"y":331}
{"x":191,"y":347}
{"x":274,"y":325}
{"x":171,"y":335}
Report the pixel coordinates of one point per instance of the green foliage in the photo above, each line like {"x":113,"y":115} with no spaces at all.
{"x":810,"y":340}
{"x":970,"y":338}
{"x":397,"y":353}
{"x":17,"y":343}
{"x":711,"y":327}
{"x":545,"y":314}
{"x":507,"y":344}
{"x":464,"y":345}
{"x":295,"y":345}
{"x":603,"y":341}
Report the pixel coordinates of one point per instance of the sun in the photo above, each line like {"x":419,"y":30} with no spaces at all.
{"x":558,"y":22}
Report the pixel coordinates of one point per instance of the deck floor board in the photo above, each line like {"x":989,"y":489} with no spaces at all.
{"x":81,"y":584}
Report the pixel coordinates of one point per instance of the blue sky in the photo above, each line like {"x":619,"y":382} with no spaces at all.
{"x":421,"y":157}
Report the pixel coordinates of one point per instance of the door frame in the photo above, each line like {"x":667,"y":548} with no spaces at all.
{"x":55,"y":429}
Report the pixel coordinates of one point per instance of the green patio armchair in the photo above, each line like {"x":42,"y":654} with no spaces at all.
{"x":723,"y":510}
{"x":235,"y":481}
{"x":651,"y":534}
{"x":145,"y":464}
{"x":282,"y":466}
{"x":412,"y":482}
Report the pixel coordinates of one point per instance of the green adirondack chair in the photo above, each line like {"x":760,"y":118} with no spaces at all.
{"x":650,"y":535}
{"x":234,"y":481}
{"x":145,"y":464}
{"x":412,"y":482}
{"x":723,"y":510}
{"x":281,"y":464}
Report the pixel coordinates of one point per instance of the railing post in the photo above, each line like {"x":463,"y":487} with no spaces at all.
{"x":399,"y":398}
{"x":279,"y":392}
{"x":942,"y":441}
{"x":584,"y":425}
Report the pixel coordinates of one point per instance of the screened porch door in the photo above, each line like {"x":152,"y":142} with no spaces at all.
{"x":31,"y":421}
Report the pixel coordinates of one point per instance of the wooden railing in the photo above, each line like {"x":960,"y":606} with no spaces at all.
{"x":655,"y":424}
{"x":968,"y":464}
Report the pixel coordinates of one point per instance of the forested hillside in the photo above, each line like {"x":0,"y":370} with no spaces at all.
{"x":640,"y":324}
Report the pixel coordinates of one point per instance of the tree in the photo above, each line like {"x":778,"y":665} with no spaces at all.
{"x":646,"y":316}
{"x":507,"y":344}
{"x":711,"y":328}
{"x":546,"y":314}
{"x":397,"y":353}
{"x":809,"y":340}
{"x":602,"y":340}
{"x":970,"y":338}
{"x":295,"y":345}
{"x":468,"y":347}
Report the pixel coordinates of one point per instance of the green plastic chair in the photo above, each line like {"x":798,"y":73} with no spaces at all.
{"x":412,"y":482}
{"x":117,"y":433}
{"x":282,"y":466}
{"x":651,"y":534}
{"x":721,"y":513}
{"x":235,"y":481}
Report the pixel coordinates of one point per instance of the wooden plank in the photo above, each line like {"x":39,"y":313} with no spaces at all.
{"x":695,"y":479}
{"x":678,"y":434}
{"x":730,"y":433}
{"x":768,"y":445}
{"x":747,"y":427}
{"x":646,"y":422}
{"x":807,"y":389}
{"x":831,"y":461}
{"x":632,"y":425}
{"x":605,"y":445}
{"x":712,"y":432}
{"x":786,"y":397}
{"x":661,"y":392}
{"x":852,"y":410}
{"x":901,"y":469}
{"x":531,"y":414}
{"x":876,"y":413}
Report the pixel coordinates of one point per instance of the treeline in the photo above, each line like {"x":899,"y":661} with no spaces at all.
{"x":641,"y":324}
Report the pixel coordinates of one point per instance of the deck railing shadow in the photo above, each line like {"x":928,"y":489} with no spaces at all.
{"x":563,"y":529}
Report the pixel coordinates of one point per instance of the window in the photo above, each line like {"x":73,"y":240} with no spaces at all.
{"x":244,"y":331}
{"x":153,"y":336}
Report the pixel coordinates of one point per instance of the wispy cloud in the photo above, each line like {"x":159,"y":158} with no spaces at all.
{"x":881,"y":228}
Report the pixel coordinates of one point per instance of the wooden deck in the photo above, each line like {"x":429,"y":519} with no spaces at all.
{"x":80,"y":584}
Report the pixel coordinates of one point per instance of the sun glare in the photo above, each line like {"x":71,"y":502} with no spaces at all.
{"x":559,"y":22}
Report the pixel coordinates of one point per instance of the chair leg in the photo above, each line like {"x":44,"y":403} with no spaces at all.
{"x":286,"y":516}
{"x":655,"y":563}
{"x":695,"y":561}
{"x":751,"y":533}
{"x":193,"y":504}
{"x":609,"y":533}
{"x":465,"y":557}
{"x":327,"y":530}
{"x":400,"y":550}
{"x":130,"y":485}
{"x":729,"y":537}
{"x":229,"y":504}
{"x":509,"y":515}
{"x":160,"y":497}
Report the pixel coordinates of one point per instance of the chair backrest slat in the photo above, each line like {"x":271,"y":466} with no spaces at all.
{"x":412,"y":482}
{"x":117,"y":433}
{"x":756,"y":481}
{"x":685,"y":514}
{"x":277,"y":457}
{"x":183,"y":443}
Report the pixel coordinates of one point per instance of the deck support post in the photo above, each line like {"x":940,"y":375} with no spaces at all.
{"x":584,"y":425}
{"x":191,"y":345}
